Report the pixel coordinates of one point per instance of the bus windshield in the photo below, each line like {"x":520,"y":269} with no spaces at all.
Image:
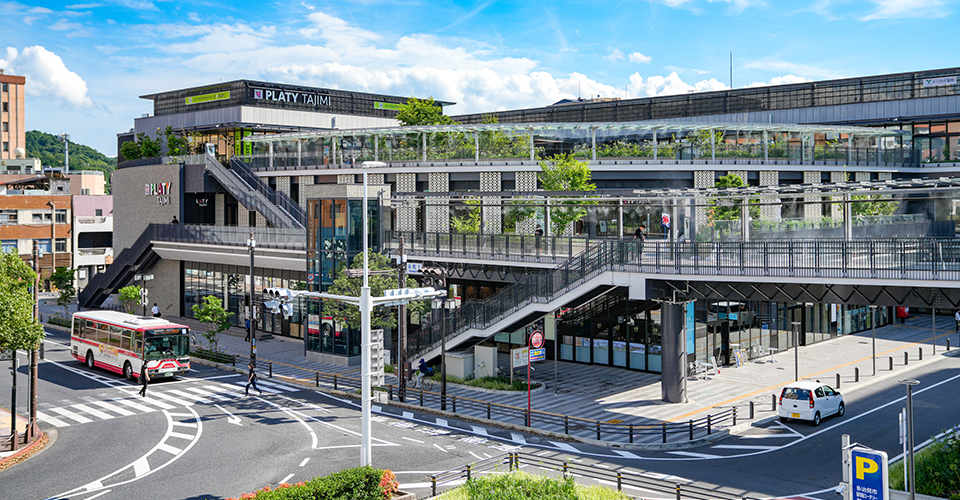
{"x":165,"y":344}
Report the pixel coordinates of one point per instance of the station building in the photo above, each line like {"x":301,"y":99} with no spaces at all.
{"x":283,"y":162}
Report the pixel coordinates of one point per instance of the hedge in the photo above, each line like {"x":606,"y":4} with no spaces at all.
{"x":361,"y":483}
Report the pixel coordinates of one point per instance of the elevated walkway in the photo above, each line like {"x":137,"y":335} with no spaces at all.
{"x":246,"y":187}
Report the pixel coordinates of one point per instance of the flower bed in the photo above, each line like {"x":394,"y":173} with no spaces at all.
{"x":361,"y":483}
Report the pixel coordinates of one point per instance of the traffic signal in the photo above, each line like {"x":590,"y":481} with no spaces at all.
{"x":435,"y":275}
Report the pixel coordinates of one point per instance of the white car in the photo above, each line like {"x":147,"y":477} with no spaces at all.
{"x":808,"y":400}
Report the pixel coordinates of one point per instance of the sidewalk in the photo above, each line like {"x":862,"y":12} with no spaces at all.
{"x":601,"y":393}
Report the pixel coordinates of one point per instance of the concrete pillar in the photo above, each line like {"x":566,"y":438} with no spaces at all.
{"x":438,"y":209}
{"x":299,"y":152}
{"x":713,"y":146}
{"x":655,"y":147}
{"x":304,"y":181}
{"x":766,"y":149}
{"x":533,"y":156}
{"x":407,"y":214}
{"x":849,"y":149}
{"x":745,"y":218}
{"x":673,"y":365}
{"x":333,"y":151}
{"x":220,"y":204}
{"x":376,"y":148}
{"x":847,"y":218}
{"x":424,"y":134}
{"x":770,"y":210}
{"x":270,"y":154}
{"x":476,"y":146}
{"x":593,"y":143}
{"x":491,"y":216}
{"x":620,"y":218}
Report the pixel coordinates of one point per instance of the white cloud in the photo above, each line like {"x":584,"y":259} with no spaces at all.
{"x":614,"y":55}
{"x":777,"y":65}
{"x":781,"y":80}
{"x":332,"y":29}
{"x":896,"y":9}
{"x":47,"y":75}
{"x":669,"y":85}
{"x":637,"y":57}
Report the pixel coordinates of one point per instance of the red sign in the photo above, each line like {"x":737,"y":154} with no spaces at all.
{"x":536,"y":339}
{"x":665,"y":220}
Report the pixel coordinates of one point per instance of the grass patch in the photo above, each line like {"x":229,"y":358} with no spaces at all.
{"x":938,"y":469}
{"x":361,"y":483}
{"x":497,"y":383}
{"x":523,"y":486}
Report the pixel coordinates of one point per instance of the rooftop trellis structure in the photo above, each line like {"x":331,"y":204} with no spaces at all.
{"x":650,"y":140}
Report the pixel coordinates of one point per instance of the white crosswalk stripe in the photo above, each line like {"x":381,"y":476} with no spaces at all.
{"x":68,"y":413}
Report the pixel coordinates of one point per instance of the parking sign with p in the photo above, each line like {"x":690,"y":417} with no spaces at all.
{"x":868,"y":475}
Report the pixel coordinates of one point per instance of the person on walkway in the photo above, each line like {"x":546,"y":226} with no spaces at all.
{"x":640,"y":236}
{"x":144,"y":378}
{"x":902,"y":314}
{"x":174,"y":221}
{"x":423,"y":370}
{"x":251,"y":380}
{"x":538,"y":234}
{"x":957,"y":317}
{"x":155,"y":310}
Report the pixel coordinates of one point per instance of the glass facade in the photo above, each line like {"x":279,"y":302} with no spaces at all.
{"x":231,"y":284}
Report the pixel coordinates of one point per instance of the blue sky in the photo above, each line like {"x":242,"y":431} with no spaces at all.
{"x":87,"y":63}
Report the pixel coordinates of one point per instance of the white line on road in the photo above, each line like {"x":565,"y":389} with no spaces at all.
{"x":286,"y":478}
{"x":96,"y":413}
{"x":305,"y":460}
{"x":71,"y":415}
{"x":52,"y":420}
{"x":478,"y":457}
{"x":440,"y":448}
{"x":411,"y":439}
{"x":566,"y":447}
{"x":98,"y":494}
{"x":744,"y":447}
{"x":113,"y":408}
{"x":231,"y":418}
{"x":781,"y":435}
{"x":692,"y":454}
{"x":141,"y":466}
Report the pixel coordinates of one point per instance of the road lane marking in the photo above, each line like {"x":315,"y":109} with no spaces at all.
{"x":71,"y":415}
{"x":286,"y":478}
{"x":56,"y":422}
{"x":196,"y":399}
{"x":744,"y":447}
{"x":692,"y":454}
{"x":169,"y":449}
{"x":113,"y":408}
{"x":141,"y":466}
{"x":411,"y":439}
{"x":305,"y":460}
{"x":781,"y":435}
{"x":174,"y":400}
{"x":567,"y":447}
{"x":180,"y":435}
{"x":440,"y":448}
{"x":96,"y":413}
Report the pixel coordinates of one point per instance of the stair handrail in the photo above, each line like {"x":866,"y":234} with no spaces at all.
{"x":127,"y":257}
{"x":276,"y":197}
{"x":251,"y":192}
{"x":531,"y":288}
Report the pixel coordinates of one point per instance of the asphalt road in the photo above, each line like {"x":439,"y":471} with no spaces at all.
{"x":199,"y":437}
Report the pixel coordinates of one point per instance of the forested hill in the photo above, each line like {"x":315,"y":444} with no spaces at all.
{"x":49,"y":149}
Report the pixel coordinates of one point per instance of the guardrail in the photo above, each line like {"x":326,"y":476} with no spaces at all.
{"x":622,"y":478}
{"x":621,"y":432}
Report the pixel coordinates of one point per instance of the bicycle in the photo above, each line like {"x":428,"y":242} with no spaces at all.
{"x":424,"y":382}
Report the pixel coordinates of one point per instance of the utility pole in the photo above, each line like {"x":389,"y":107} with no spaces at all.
{"x":251,"y":309}
{"x":34,"y":354}
{"x":402,"y":325}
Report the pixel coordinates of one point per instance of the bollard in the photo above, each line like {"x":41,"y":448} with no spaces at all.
{"x":690,"y":428}
{"x":734,"y":415}
{"x":270,"y":366}
{"x":751,"y":410}
{"x":488,"y":410}
{"x":454,"y":404}
{"x":619,"y":481}
{"x":390,"y":393}
{"x":906,"y":358}
{"x":566,"y":465}
{"x":838,"y":381}
{"x":433,"y":484}
{"x":678,"y":491}
{"x":41,"y":348}
{"x":334,"y":382}
{"x":598,"y":430}
{"x":948,"y":346}
{"x":468,"y":472}
{"x":773,"y":402}
{"x":421,"y":397}
{"x":318,"y":378}
{"x":566,"y":425}
{"x":631,"y":433}
{"x":891,"y":363}
{"x":920,"y":354}
{"x":856,"y":373}
{"x":709,"y":424}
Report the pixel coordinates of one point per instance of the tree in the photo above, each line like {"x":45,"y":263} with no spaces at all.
{"x":212,"y":312}
{"x":468,"y":223}
{"x":563,"y":172}
{"x":18,"y":328}
{"x":149,"y":147}
{"x":422,"y":112}
{"x":131,"y":150}
{"x":349,"y":314}
{"x":176,"y":145}
{"x":62,"y":279}
{"x":130,"y":298}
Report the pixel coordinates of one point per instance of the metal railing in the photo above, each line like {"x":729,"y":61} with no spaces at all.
{"x":515,"y":247}
{"x":276,"y":197}
{"x":620,"y":477}
{"x":933,"y":259}
{"x":251,"y":192}
{"x":267,"y":237}
{"x":648,"y":431}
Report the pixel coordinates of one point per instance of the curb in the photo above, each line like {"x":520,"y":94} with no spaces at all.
{"x":26,"y":452}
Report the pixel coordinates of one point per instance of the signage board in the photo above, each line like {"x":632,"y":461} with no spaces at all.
{"x":665,"y":220}
{"x":868,"y":474}
{"x":414,"y":267}
{"x":538,"y":354}
{"x":936,"y":82}
{"x":215,"y":96}
{"x":536,"y":339}
{"x":387,"y":105}
{"x":518,"y":357}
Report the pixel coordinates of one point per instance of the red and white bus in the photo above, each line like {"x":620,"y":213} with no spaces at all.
{"x":122,"y":342}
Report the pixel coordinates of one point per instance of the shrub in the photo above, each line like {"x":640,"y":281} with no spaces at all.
{"x":523,"y":486}
{"x":361,"y":483}
{"x":938,"y":469}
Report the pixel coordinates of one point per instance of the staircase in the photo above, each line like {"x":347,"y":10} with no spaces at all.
{"x":533,"y":294}
{"x":140,"y":255}
{"x":277,"y":208}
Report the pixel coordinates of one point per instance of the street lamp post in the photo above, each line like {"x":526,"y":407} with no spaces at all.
{"x":66,"y":152}
{"x":873,"y":324}
{"x":796,"y":350}
{"x":252,"y":330}
{"x":910,"y":382}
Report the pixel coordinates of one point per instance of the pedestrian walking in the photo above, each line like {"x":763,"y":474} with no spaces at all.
{"x":144,"y":378}
{"x":902,"y":314}
{"x":538,"y":234}
{"x":957,"y":317}
{"x":640,"y":236}
{"x":155,"y":310}
{"x":251,"y":380}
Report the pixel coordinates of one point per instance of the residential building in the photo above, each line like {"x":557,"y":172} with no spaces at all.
{"x":12,"y":128}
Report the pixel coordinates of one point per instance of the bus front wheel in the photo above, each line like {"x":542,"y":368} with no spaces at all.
{"x":128,"y":371}
{"x":90,"y":359}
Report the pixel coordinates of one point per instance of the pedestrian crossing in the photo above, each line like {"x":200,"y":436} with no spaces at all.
{"x":68,"y":413}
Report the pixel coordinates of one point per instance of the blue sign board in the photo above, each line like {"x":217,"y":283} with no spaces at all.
{"x":691,"y":329}
{"x":868,"y":474}
{"x":538,"y":354}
